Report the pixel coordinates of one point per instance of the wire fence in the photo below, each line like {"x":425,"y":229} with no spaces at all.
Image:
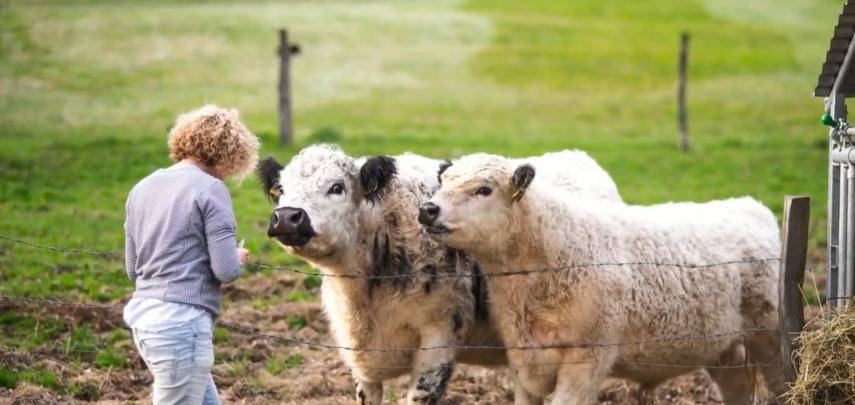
{"x":258,"y":265}
{"x":295,"y":341}
{"x":92,"y":352}
{"x":59,"y":249}
{"x":251,"y":331}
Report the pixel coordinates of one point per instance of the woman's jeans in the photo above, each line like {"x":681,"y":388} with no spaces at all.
{"x":180,"y":358}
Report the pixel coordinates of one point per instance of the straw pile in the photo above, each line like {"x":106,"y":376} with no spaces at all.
{"x":827,"y":369}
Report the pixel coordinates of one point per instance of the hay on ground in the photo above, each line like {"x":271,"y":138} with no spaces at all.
{"x":827,"y":363}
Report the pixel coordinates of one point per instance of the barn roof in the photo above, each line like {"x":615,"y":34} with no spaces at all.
{"x":834,"y":58}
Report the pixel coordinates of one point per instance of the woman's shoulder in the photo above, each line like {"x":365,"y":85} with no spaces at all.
{"x":214,"y":192}
{"x":191,"y":184}
{"x":142,"y":183}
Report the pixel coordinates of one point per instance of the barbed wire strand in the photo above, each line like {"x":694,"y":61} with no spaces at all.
{"x":432,"y":275}
{"x":59,"y":249}
{"x":295,"y":341}
{"x":519,"y":272}
{"x":567,"y":345}
{"x":59,"y":350}
{"x":93,"y":352}
{"x":54,"y":301}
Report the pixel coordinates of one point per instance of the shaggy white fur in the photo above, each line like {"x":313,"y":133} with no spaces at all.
{"x":354,"y":235}
{"x":574,"y":172}
{"x":548,"y":228}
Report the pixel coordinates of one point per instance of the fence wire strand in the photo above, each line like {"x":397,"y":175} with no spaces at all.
{"x":287,"y":339}
{"x":59,"y":249}
{"x":567,"y":345}
{"x":296,"y":270}
{"x":228,"y":362}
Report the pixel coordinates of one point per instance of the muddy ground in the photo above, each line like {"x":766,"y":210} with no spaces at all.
{"x":253,"y":369}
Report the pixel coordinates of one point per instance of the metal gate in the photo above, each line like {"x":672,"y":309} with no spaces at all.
{"x":836,"y":83}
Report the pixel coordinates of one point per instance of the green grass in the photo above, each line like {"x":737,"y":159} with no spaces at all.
{"x":37,"y":376}
{"x":8,"y":378}
{"x":301,"y":295}
{"x":296,"y":321}
{"x":119,"y":335}
{"x":110,"y":358}
{"x":312,"y":281}
{"x":88,"y":90}
{"x":222,"y":335}
{"x":278,"y":364}
{"x":236,"y":369}
{"x":27,"y":332}
{"x":81,"y":340}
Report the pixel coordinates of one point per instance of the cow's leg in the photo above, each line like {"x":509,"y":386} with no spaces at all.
{"x":522,"y":396}
{"x":369,"y":393}
{"x":432,"y":368}
{"x":735,"y":384}
{"x":763,"y":349}
{"x":580,"y":376}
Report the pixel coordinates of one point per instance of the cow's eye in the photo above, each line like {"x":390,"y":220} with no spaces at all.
{"x":336,"y":188}
{"x":484,"y":191}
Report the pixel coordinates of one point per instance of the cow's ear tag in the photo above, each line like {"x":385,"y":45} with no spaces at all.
{"x":520,"y":181}
{"x":275,"y":192}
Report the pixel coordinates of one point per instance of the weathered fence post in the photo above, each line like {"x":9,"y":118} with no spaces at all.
{"x":285,"y":51}
{"x":682,"y":114}
{"x":792,"y":273}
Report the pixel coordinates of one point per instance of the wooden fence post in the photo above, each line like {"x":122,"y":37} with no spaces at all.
{"x":792,"y":273}
{"x":682,"y":114}
{"x":285,"y":51}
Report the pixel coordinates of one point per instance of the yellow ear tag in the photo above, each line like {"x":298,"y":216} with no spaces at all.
{"x":516,"y":193}
{"x":274,"y":191}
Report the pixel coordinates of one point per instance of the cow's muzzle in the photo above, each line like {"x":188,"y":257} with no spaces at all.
{"x":291,"y":226}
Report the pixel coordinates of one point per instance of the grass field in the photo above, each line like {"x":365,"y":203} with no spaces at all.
{"x":88,"y":90}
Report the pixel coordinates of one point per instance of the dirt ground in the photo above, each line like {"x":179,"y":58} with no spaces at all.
{"x":252,"y":369}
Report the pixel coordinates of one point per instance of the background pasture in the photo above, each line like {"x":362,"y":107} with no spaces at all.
{"x":88,"y":90}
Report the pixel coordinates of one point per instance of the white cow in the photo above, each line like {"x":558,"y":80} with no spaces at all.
{"x":509,"y":221}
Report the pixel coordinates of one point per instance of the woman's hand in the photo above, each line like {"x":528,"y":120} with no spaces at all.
{"x":243,"y":254}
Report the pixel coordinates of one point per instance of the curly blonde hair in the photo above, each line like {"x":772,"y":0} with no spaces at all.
{"x":216,"y":137}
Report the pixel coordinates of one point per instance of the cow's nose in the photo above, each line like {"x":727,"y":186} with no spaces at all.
{"x":287,"y":221}
{"x":428,"y":213}
{"x":294,"y":216}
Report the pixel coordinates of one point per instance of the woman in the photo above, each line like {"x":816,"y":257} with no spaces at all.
{"x":180,"y":246}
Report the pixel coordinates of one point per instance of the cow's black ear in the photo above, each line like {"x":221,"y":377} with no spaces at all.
{"x":442,"y":168}
{"x":520,"y":181}
{"x":268,"y":176}
{"x":375,"y":176}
